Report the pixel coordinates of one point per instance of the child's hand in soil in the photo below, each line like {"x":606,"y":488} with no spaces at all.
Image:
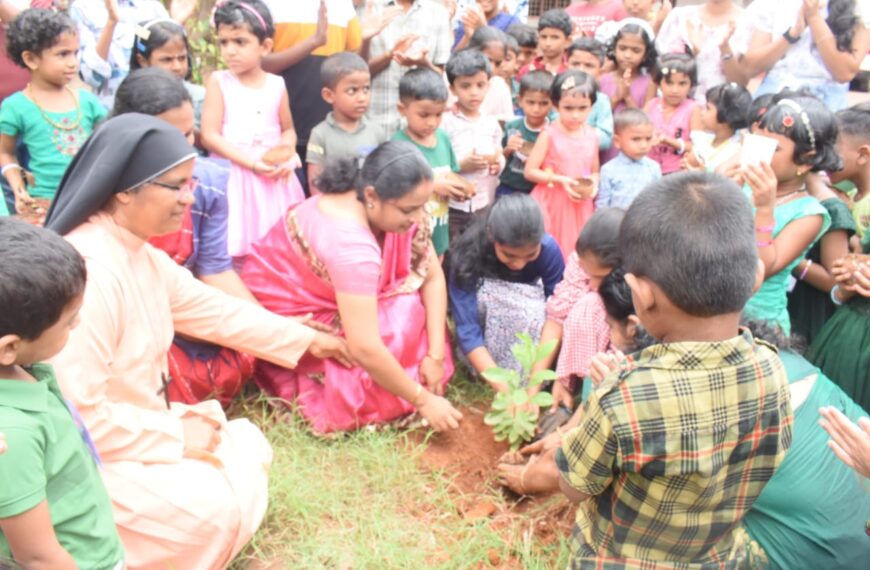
{"x":432,"y":374}
{"x":440,"y":413}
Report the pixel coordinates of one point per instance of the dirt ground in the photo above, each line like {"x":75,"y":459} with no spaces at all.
{"x":469,"y":456}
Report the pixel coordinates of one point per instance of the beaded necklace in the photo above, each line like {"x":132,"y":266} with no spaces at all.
{"x":64,"y":125}
{"x":67,"y":136}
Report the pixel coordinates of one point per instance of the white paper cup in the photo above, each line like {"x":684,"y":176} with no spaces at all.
{"x":757,"y":150}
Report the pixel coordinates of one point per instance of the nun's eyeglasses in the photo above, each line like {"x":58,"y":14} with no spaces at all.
{"x":186,"y":187}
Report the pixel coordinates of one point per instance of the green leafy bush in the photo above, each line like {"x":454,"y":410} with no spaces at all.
{"x":514,"y":412}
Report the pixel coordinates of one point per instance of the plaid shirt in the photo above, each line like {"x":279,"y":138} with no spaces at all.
{"x":673,"y":451}
{"x":431,"y":22}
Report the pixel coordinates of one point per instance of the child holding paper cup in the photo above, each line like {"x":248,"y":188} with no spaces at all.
{"x":788,"y":220}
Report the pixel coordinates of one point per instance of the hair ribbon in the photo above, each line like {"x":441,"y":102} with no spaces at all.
{"x":243,"y":6}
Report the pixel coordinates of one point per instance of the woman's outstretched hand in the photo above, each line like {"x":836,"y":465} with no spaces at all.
{"x":850,"y":442}
{"x":328,"y":346}
{"x":440,"y":413}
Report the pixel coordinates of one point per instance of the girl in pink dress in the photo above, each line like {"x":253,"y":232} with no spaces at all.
{"x":633,"y":53}
{"x":675,"y":114}
{"x":358,"y":257}
{"x":564,"y":162}
{"x":245,"y":115}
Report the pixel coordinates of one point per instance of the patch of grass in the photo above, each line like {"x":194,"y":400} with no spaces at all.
{"x":362,"y":501}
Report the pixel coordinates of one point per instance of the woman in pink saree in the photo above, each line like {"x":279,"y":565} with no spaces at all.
{"x":358,"y":257}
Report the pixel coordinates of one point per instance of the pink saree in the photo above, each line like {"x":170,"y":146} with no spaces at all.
{"x":296,"y":268}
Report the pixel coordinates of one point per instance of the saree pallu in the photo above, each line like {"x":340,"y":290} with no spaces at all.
{"x":289,"y":278}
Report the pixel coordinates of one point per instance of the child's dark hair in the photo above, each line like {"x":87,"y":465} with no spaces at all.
{"x":40,"y":276}
{"x":732,"y":102}
{"x":771,"y":333}
{"x":35,"y":30}
{"x":842,"y":19}
{"x":514,"y":220}
{"x":557,"y":19}
{"x":600,"y":236}
{"x":150,"y":91}
{"x":536,"y":80}
{"x":573,"y":81}
{"x":466,"y":63}
{"x":854,"y":122}
{"x":619,"y":306}
{"x":810,"y":125}
{"x":393,"y":169}
{"x":676,"y":63}
{"x":422,"y":84}
{"x":525,"y":35}
{"x":693,"y":235}
{"x":589,"y":45}
{"x":629,"y":117}
{"x":511,"y":44}
{"x":157,"y":34}
{"x":759,"y":107}
{"x":253,"y":14}
{"x":338,"y":66}
{"x":486,"y":35}
{"x":649,"y":56}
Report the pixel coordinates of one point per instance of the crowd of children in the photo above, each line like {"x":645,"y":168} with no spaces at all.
{"x":605,"y":179}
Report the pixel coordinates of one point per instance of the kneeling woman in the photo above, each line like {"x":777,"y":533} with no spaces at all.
{"x":503,"y":268}
{"x":188,"y":487}
{"x":359,"y":257}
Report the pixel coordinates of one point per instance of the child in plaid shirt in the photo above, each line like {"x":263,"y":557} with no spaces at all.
{"x":676,"y":444}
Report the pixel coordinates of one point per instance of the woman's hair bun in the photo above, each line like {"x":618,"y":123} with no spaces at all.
{"x":339,"y":175}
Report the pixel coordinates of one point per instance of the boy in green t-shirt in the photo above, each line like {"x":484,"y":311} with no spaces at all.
{"x":54,"y":509}
{"x":422,"y":99}
{"x":521,"y":133}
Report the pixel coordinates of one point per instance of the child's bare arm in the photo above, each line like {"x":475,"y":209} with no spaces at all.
{"x":288,"y":131}
{"x":32,"y":540}
{"x":570,"y":492}
{"x":210,"y":130}
{"x":313,"y":173}
{"x":13,"y":173}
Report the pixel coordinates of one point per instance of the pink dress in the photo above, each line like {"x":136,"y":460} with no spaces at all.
{"x":574,"y":156}
{"x":677,"y":126}
{"x":252,"y":125}
{"x":298,"y":267}
{"x":638,"y":89}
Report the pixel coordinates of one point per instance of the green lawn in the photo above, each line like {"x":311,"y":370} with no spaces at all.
{"x":363,"y":501}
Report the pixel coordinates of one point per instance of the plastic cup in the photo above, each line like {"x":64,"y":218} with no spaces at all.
{"x":757,"y":150}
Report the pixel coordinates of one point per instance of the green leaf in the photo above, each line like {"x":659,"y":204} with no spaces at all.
{"x":542,"y":376}
{"x":544,"y":350}
{"x":513,"y":437}
{"x":500,"y":402}
{"x":542,"y":399}
{"x":493,"y":418}
{"x":524,"y":355}
{"x":499,"y":375}
{"x":520,"y":397}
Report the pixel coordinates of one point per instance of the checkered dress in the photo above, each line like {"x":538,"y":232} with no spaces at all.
{"x":673,"y":452}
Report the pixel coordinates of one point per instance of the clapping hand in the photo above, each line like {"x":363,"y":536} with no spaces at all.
{"x":374,"y":23}
{"x":112,"y":10}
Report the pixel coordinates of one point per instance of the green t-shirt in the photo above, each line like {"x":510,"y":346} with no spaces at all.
{"x":51,"y":145}
{"x":47,"y":459}
{"x":442,"y":159}
{"x":512,"y":176}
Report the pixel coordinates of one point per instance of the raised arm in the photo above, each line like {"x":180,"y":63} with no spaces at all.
{"x":278,"y":62}
{"x":843,"y":65}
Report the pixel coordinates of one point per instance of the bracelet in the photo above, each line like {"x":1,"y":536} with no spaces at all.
{"x":417,"y":395}
{"x":765,"y":229}
{"x":435,"y":358}
{"x":806,"y":269}
{"x":10,"y":166}
{"x":682,"y":148}
{"x":834,"y":290}
{"x":726,"y":57}
{"x":767,"y":243}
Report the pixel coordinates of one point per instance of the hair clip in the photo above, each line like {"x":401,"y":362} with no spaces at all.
{"x":569,"y":83}
{"x":666,"y":71}
{"x":805,"y":119}
{"x":788,"y":121}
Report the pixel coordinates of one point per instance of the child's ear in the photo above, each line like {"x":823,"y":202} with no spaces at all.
{"x":328,"y":95}
{"x":31,"y":60}
{"x":759,"y":276}
{"x":864,"y":155}
{"x":641,"y":292}
{"x":616,"y":141}
{"x":267,"y":45}
{"x":141,"y":60}
{"x":401,"y":107}
{"x":10,"y":344}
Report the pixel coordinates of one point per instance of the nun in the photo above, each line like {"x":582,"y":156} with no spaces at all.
{"x":188,"y":487}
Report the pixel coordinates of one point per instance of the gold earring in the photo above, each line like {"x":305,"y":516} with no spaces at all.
{"x":370,"y":205}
